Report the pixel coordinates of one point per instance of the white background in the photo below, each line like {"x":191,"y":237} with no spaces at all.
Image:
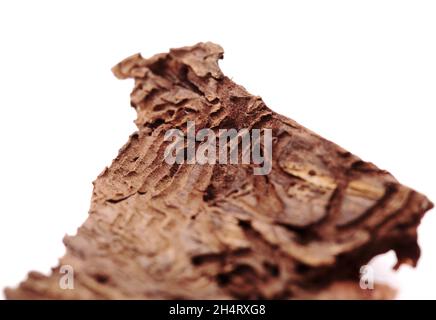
{"x":360,"y":73}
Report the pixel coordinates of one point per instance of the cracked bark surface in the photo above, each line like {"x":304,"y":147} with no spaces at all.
{"x":159,"y":231}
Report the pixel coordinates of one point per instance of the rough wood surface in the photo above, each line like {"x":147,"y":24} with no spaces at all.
{"x":158,"y":231}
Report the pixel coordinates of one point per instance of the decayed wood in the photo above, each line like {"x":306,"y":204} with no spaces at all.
{"x":158,"y":231}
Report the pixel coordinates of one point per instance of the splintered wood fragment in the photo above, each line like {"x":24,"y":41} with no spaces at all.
{"x":213,"y":231}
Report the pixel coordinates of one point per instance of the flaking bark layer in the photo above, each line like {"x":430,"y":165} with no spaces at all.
{"x":160,"y":231}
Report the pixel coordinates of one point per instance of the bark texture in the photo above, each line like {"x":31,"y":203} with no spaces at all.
{"x":159,"y":231}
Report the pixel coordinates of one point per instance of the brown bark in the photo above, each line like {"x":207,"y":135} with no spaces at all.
{"x":158,"y":231}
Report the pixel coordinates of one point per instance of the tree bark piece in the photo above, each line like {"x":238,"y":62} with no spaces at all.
{"x":159,"y":231}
